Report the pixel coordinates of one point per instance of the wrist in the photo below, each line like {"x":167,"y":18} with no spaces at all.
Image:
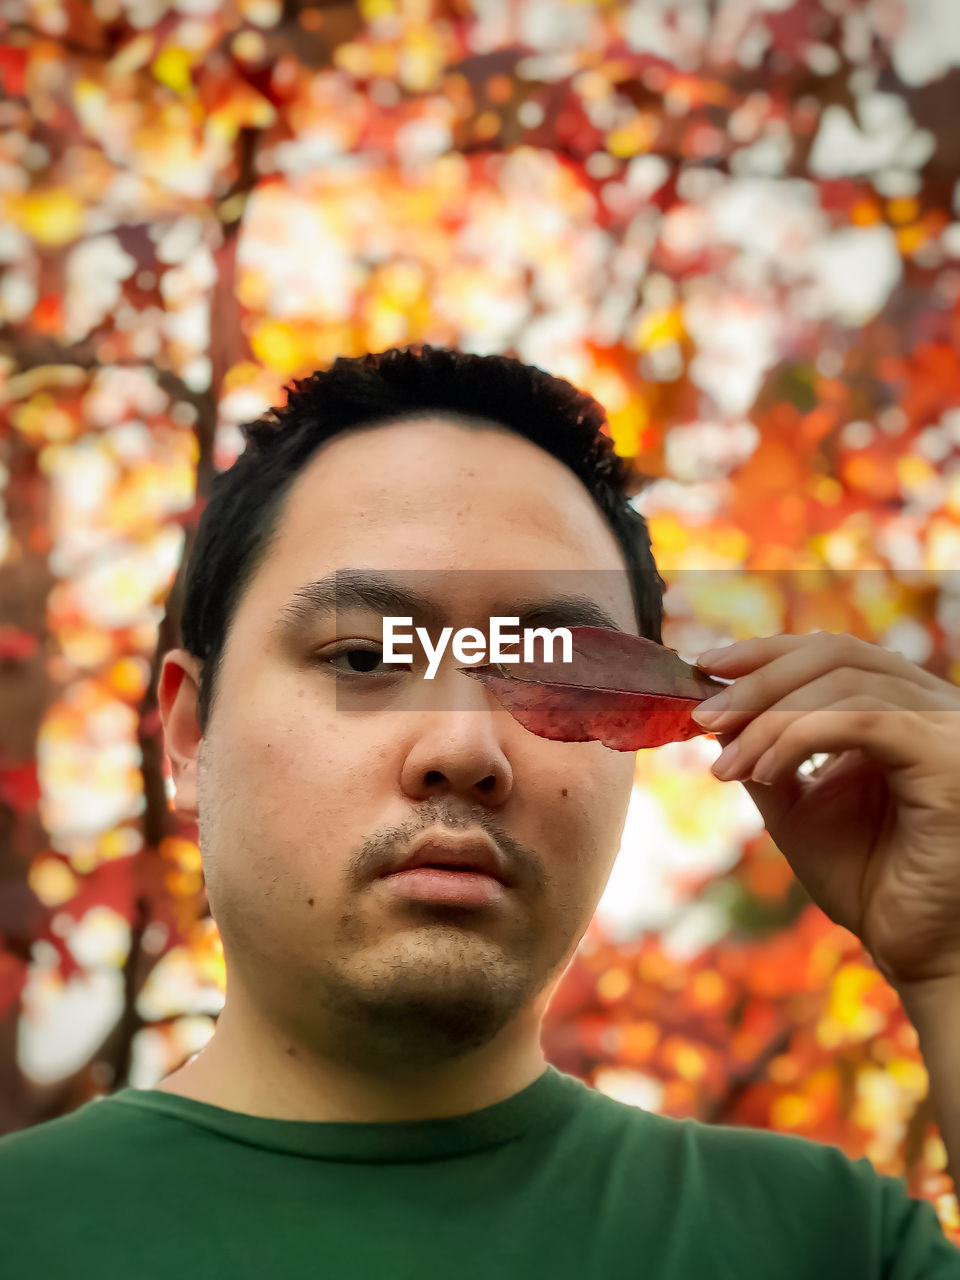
{"x":929,"y":995}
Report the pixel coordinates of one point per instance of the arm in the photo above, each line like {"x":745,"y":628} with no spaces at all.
{"x":934,"y":1009}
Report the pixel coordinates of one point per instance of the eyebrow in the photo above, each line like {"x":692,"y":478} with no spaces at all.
{"x":366,"y":589}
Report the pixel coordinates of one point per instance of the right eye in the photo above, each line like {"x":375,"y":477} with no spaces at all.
{"x":369,"y":659}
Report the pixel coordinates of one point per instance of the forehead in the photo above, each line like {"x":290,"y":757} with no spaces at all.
{"x":432,"y":495}
{"x":421,"y":480}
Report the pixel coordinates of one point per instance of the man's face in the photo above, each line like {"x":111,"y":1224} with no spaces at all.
{"x":305,"y":784}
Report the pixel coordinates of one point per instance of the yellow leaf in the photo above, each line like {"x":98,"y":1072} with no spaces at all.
{"x":172,"y":68}
{"x":790,"y":1111}
{"x":278,"y":345}
{"x":53,"y":217}
{"x":52,"y":881}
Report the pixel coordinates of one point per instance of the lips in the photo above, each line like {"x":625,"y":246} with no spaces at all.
{"x":470,"y":853}
{"x":440,"y":885}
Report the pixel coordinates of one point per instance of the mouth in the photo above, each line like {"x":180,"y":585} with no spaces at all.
{"x":448,"y":854}
{"x":457,"y":886}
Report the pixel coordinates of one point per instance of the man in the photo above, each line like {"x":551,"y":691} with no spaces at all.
{"x":375,"y":1101}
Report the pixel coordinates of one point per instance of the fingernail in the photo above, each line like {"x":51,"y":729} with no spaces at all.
{"x":710,"y":657}
{"x":710,"y":711}
{"x":726,"y":761}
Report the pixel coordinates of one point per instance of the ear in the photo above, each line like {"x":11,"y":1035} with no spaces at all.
{"x":177,"y":691}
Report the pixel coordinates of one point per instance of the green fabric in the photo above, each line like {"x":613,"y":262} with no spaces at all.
{"x":558,"y":1182}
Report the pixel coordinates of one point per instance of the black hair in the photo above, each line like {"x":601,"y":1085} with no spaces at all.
{"x":242,"y":514}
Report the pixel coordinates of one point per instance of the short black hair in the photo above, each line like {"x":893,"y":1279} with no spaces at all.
{"x":242,"y":514}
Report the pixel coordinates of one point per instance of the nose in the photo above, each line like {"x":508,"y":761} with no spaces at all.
{"x":459,"y":748}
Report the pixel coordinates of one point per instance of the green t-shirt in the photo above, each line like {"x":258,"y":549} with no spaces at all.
{"x":558,"y":1182}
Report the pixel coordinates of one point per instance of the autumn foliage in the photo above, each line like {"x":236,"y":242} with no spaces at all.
{"x":735,"y":225}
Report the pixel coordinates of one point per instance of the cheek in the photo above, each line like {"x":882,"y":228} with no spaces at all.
{"x":277,"y":737}
{"x":282,"y":781}
{"x":593,"y":812}
{"x":595,"y":782}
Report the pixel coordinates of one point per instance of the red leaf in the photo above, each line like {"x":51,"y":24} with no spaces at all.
{"x":13,"y":978}
{"x":622,"y":690}
{"x":19,"y":787}
{"x":15,"y":644}
{"x":111,"y":884}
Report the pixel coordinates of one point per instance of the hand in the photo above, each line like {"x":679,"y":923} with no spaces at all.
{"x":874,"y":834}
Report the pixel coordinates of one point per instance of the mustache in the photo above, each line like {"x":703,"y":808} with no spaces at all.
{"x":444,"y":813}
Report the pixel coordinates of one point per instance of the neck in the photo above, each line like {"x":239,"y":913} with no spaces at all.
{"x":253,"y":1068}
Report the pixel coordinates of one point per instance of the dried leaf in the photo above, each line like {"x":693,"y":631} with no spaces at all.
{"x":622,"y":690}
